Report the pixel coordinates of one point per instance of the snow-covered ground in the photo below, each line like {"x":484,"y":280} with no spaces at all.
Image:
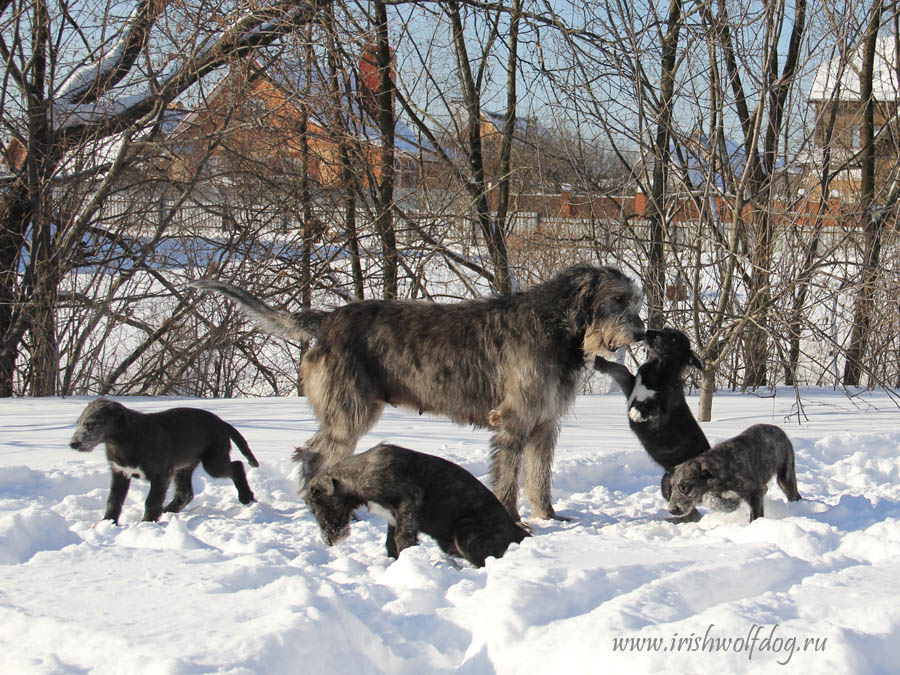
{"x":226,"y":588}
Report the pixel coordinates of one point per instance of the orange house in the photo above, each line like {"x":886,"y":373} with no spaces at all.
{"x":253,"y":122}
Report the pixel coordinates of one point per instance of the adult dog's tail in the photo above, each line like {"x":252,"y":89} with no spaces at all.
{"x":302,"y":325}
{"x":242,"y":444}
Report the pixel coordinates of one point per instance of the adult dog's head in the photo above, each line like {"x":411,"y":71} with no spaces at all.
{"x":671,"y":346}
{"x":605,"y":306}
{"x":100,"y":419}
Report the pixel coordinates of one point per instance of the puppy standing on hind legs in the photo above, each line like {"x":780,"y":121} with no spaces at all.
{"x":657,"y":411}
{"x":158,"y":446}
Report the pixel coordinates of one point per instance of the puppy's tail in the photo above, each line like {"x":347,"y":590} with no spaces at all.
{"x":302,"y":325}
{"x":242,"y":444}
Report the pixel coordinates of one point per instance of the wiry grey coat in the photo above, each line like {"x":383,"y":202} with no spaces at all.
{"x":744,"y":464}
{"x":511,"y":361}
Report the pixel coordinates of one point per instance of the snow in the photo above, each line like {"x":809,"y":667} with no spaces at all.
{"x":86,"y":74}
{"x":839,"y":77}
{"x":226,"y":588}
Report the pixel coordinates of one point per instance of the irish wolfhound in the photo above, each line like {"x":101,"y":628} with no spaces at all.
{"x":414,"y":492}
{"x":154,"y":446}
{"x":513,"y":360}
{"x":657,"y":412}
{"x":743,"y":464}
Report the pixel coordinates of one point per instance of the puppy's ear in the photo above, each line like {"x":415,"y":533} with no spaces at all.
{"x":695,"y":361}
{"x":705,"y":474}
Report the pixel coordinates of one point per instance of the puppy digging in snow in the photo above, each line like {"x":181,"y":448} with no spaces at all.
{"x":744,"y":464}
{"x":156,"y":446}
{"x":657,"y":411}
{"x":414,"y":492}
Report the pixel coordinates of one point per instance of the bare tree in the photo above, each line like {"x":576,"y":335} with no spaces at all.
{"x":53,"y":119}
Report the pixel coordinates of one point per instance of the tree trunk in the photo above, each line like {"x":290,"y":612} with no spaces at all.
{"x":491,"y":229}
{"x":873,"y":224}
{"x":655,"y":277}
{"x":384,"y":222}
{"x":707,"y":389}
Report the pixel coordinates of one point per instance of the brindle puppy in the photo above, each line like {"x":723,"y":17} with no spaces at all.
{"x":743,"y":464}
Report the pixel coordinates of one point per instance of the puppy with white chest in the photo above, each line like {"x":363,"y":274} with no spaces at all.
{"x":158,"y":446}
{"x":657,"y":411}
{"x":744,"y":464}
{"x":414,"y":492}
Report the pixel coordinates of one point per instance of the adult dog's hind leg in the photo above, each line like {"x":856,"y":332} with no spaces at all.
{"x":538,"y":467}
{"x":345,"y":403}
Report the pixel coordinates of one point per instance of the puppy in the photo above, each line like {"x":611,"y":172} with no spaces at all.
{"x":155,"y":446}
{"x":744,"y":464}
{"x":414,"y":492}
{"x":657,"y":411}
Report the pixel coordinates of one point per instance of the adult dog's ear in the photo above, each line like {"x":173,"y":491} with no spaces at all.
{"x":695,"y":361}
{"x":581,"y":308}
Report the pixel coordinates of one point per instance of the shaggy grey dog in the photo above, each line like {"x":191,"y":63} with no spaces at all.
{"x":154,"y":446}
{"x":744,"y":464}
{"x":657,"y":411}
{"x":415,"y":493}
{"x":511,"y":361}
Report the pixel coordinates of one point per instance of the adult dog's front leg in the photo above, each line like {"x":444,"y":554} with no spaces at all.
{"x":538,"y":466}
{"x":506,"y":459}
{"x":118,"y":490}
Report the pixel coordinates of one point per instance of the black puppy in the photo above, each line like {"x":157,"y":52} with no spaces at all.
{"x":657,"y":412}
{"x":414,"y":492}
{"x":744,"y":464}
{"x":155,"y":446}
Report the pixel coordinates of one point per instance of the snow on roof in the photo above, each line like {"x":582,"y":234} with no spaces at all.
{"x":290,"y":76}
{"x":839,"y":77}
{"x":523,"y":125}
